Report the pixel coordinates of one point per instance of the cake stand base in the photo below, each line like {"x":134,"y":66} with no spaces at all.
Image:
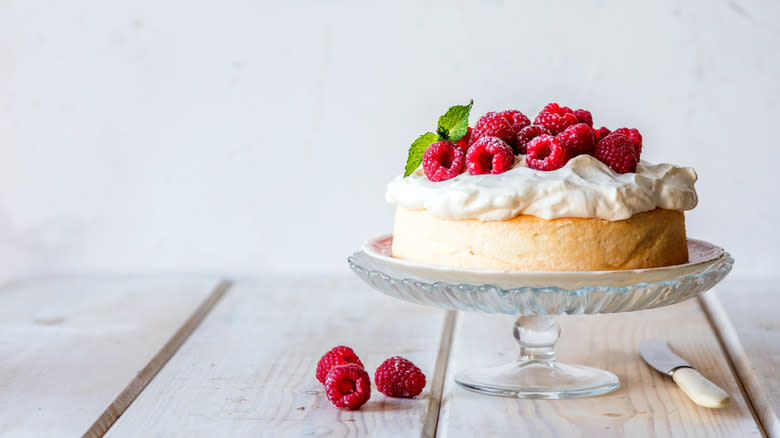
{"x":539,"y":379}
{"x":536,"y":373}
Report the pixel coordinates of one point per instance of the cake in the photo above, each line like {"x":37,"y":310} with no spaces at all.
{"x":569,"y":198}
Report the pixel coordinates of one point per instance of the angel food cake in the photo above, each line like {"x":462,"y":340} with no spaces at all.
{"x":555,"y":195}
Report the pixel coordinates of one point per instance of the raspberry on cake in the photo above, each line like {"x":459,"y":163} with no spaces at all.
{"x":601,"y":133}
{"x":581,"y":199}
{"x":556,"y":118}
{"x":584,"y":116}
{"x":489,"y":155}
{"x":515,"y":118}
{"x":546,"y":152}
{"x":578,"y":139}
{"x":443,"y":160}
{"x":634,"y":136}
{"x":527,"y":134}
{"x":618,"y":152}
{"x":493,"y":125}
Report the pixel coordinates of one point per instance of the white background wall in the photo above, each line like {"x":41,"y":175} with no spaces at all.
{"x":250,"y":137}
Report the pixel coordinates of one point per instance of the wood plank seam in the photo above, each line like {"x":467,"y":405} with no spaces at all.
{"x":142,"y":379}
{"x":648,"y":403}
{"x":715,"y":313}
{"x":439,"y":374}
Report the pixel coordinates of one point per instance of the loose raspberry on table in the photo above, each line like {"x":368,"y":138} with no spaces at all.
{"x":340,"y":355}
{"x":578,"y":139}
{"x":546,"y":152}
{"x":493,"y":125}
{"x":489,"y":155}
{"x":555,"y":118}
{"x":348,"y":386}
{"x":399,"y":377}
{"x":634,"y":136}
{"x":617,"y":152}
{"x":601,"y":133}
{"x":515,"y":118}
{"x":443,"y":160}
{"x":584,"y":116}
{"x":527,"y":134}
{"x":463,"y":143}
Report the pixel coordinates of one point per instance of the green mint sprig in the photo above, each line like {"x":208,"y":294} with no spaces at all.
{"x":417,"y":150}
{"x":452,"y":126}
{"x":455,"y":122}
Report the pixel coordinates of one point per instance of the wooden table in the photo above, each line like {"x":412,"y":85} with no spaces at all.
{"x":198,"y":356}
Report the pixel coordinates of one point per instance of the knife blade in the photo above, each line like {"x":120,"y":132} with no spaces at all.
{"x":658,"y":355}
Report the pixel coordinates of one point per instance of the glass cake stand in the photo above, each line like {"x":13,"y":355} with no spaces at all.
{"x":538,"y":298}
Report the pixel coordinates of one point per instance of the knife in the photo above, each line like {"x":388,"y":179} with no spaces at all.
{"x":658,"y":355}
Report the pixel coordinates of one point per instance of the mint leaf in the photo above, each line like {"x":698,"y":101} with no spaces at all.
{"x":417,"y":150}
{"x":455,"y":122}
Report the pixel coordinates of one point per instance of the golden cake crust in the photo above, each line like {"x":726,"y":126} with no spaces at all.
{"x":646,"y":240}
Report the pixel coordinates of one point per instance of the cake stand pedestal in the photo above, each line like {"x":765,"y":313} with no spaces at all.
{"x":537,"y":373}
{"x":539,"y":297}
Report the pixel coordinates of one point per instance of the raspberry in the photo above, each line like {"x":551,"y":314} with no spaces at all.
{"x":601,"y":133}
{"x":634,"y":136}
{"x":546,"y":152}
{"x":578,"y":139}
{"x":489,"y":155}
{"x":617,"y":152}
{"x":493,"y":125}
{"x":555,"y":118}
{"x":489,"y":118}
{"x":443,"y":160}
{"x":584,"y":116}
{"x":516,"y":119}
{"x":463,"y":143}
{"x":348,"y":386}
{"x":340,"y":355}
{"x":399,"y":377}
{"x":527,"y":134}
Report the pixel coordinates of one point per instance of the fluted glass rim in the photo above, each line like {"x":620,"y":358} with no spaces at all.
{"x":544,"y":300}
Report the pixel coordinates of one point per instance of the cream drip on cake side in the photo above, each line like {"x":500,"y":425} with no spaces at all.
{"x":583,"y":188}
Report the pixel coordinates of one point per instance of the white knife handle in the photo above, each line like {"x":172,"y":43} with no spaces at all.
{"x":699,"y":389}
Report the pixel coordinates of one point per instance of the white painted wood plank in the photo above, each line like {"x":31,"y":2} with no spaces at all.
{"x":70,"y":345}
{"x":646,"y":404}
{"x":249,"y":369}
{"x":745,"y":313}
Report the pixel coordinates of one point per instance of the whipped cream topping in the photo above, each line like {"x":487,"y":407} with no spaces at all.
{"x":584,"y":187}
